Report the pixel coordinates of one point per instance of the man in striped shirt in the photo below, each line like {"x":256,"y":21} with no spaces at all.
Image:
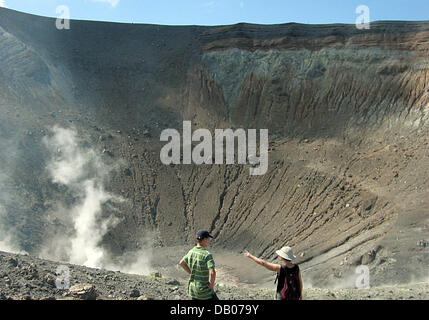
{"x":199,"y":263}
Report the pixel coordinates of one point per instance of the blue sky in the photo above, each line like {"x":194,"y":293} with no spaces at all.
{"x":220,"y":12}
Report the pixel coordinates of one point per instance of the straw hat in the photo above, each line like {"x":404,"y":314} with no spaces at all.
{"x":286,"y":253}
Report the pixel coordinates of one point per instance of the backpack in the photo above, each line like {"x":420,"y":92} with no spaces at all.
{"x":288,"y":286}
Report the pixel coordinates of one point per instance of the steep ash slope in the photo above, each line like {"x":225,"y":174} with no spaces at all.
{"x":346,"y":109}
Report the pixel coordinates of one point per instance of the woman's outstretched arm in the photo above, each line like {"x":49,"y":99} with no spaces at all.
{"x":268,"y":265}
{"x":300,"y":286}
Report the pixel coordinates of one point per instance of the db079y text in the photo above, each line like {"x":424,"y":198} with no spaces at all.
{"x":235,"y":309}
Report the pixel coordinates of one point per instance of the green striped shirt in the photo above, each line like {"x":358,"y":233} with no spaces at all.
{"x":199,"y":260}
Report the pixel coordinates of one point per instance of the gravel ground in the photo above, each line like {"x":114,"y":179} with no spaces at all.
{"x":23,"y":277}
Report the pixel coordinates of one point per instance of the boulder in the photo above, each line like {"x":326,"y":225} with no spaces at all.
{"x":369,"y":203}
{"x":135,"y":293}
{"x":368,"y":257}
{"x":13,"y":262}
{"x":155,"y":274}
{"x":83,"y":291}
{"x":50,"y":279}
{"x":173,"y":282}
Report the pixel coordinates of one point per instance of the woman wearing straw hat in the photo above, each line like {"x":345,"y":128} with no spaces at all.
{"x":289,"y":286}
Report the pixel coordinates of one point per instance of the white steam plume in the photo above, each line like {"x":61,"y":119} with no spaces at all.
{"x":85,"y":247}
{"x":8,"y":242}
{"x":83,"y":172}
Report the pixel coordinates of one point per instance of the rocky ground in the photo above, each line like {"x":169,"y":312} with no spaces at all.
{"x":23,"y":277}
